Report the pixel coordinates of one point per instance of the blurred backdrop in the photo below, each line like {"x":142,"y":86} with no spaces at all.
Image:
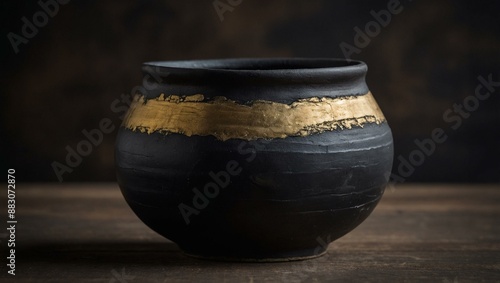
{"x":65,"y":65}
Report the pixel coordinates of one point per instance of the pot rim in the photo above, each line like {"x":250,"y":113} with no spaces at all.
{"x":316,"y":69}
{"x":259,"y":64}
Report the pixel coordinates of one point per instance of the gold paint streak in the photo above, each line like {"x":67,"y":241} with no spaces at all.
{"x":226,"y":119}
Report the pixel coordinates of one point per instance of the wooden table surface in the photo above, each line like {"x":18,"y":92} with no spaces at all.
{"x":418,"y":233}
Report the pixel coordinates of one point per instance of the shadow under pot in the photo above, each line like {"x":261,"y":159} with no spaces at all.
{"x":254,"y":159}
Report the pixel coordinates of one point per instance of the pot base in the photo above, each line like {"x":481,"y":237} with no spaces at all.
{"x":278,"y":257}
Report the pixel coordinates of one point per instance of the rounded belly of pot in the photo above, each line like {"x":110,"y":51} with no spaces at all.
{"x":254,"y":199}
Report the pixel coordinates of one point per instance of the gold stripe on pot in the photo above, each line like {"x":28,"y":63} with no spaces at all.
{"x":226,"y":119}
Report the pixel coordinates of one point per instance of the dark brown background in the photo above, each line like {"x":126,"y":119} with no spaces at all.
{"x":65,"y":79}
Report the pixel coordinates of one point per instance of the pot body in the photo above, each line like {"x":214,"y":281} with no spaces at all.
{"x":254,"y":159}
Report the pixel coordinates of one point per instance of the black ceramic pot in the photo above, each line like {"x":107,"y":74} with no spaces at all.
{"x":254,"y":159}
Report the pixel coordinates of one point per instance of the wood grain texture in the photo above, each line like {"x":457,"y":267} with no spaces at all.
{"x":87,"y":233}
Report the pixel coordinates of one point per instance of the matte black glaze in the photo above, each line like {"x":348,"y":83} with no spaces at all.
{"x":280,"y":80}
{"x":291,"y":195}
